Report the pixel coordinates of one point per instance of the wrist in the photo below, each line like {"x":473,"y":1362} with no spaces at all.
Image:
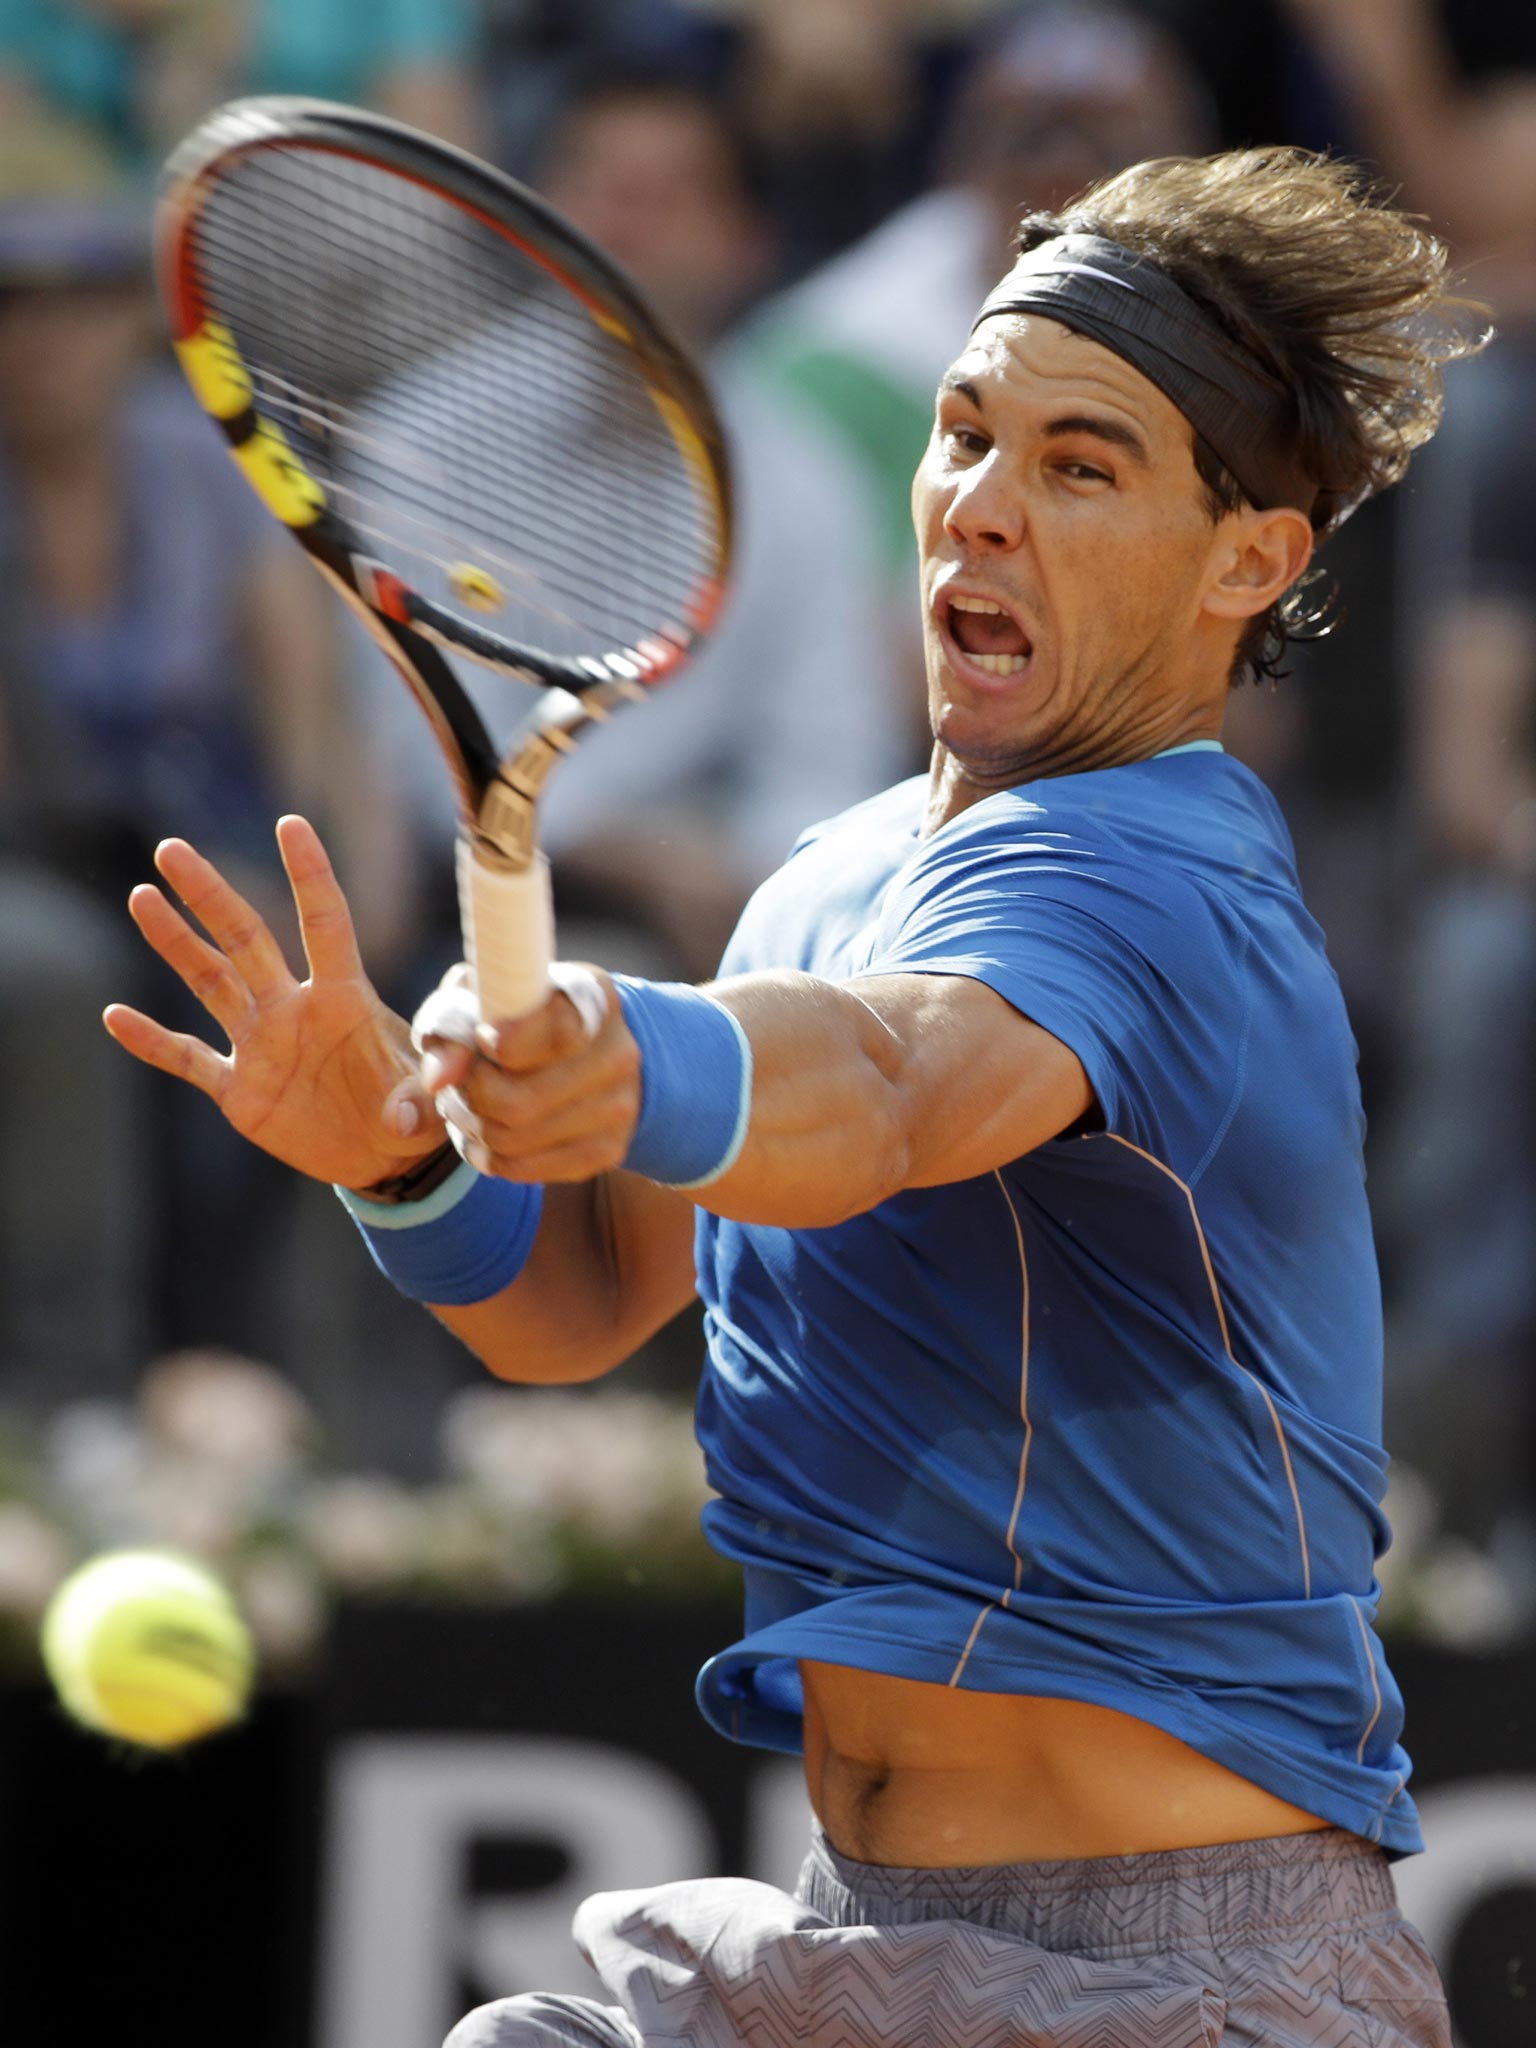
{"x":466,"y":1241}
{"x":695,"y":1083}
{"x":415,"y":1181}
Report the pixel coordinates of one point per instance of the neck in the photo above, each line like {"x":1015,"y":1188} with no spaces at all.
{"x":954,"y":785}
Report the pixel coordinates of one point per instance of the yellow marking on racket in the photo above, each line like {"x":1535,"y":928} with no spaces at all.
{"x":474,"y":588}
{"x":278,"y":477}
{"x":219,"y":379}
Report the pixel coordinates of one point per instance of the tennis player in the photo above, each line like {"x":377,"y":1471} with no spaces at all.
{"x":1016,"y":1156}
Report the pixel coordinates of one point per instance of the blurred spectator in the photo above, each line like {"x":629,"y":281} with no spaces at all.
{"x":1464,"y":151}
{"x":1458,"y":1181}
{"x":665,"y":821}
{"x":165,"y":665}
{"x":540,"y":51}
{"x":136,"y":74}
{"x":1052,"y":99}
{"x":840,"y":100}
{"x":843,"y":101}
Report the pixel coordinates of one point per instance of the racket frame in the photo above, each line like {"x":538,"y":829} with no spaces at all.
{"x":503,"y":879}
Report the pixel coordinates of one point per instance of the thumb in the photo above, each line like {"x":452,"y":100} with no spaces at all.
{"x":409,"y":1110}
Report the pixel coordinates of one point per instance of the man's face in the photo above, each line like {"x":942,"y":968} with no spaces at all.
{"x":1065,"y":548}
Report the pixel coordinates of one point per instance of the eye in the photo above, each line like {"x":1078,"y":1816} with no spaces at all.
{"x":969,"y":440}
{"x":1085,"y":472}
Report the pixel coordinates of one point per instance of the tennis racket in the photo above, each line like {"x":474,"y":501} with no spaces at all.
{"x":476,"y":429}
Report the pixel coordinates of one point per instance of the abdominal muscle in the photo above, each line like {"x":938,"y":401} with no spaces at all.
{"x":909,"y":1773}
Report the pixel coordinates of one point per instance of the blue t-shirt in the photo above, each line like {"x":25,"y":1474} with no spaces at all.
{"x":1104,"y":1425}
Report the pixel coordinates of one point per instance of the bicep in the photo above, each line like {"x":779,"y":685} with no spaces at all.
{"x":978,"y":1083}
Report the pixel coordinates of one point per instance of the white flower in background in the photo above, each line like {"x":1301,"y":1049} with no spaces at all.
{"x":546,"y":1489}
{"x":613,"y":1462}
{"x":1414,"y":1513}
{"x":1464,"y":1601}
{"x":225,"y":1410}
{"x":365,"y":1531}
{"x":283,"y":1603}
{"x":93,"y":1454}
{"x":466,"y":1546}
{"x":34,"y":1557}
{"x":188,"y":1504}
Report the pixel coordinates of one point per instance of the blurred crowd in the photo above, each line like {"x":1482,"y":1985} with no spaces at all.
{"x":816,"y":194}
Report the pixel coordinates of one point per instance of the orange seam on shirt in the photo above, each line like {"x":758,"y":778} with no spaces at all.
{"x":1370,"y":1659}
{"x":1226,"y":1339}
{"x":970,"y":1642}
{"x":1029,"y":1428}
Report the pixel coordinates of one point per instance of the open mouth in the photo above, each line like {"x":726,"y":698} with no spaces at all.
{"x":989,"y":637}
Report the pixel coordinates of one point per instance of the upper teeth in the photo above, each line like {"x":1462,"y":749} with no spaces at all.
{"x":976,"y":604}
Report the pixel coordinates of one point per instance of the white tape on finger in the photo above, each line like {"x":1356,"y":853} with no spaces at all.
{"x":451,"y":1011}
{"x":584,"y":992}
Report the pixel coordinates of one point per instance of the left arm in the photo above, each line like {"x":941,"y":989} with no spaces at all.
{"x":860,"y":1089}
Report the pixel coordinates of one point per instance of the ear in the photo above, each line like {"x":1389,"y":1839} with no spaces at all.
{"x":1258,"y":556}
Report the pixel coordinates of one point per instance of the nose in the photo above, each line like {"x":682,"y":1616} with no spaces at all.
{"x":986,"y":511}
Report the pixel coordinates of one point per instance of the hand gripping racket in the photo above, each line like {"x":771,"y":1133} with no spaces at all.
{"x":476,"y":429}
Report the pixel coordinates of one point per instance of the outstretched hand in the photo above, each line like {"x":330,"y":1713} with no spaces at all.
{"x":320,"y":1073}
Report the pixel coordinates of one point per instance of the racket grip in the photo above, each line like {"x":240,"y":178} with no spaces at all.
{"x":508,"y":922}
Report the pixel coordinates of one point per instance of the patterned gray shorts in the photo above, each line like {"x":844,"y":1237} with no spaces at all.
{"x":1291,"y":1943}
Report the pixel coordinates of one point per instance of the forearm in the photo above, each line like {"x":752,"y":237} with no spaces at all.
{"x":611,"y":1263}
{"x":828,"y":1135}
{"x":863,"y":1089}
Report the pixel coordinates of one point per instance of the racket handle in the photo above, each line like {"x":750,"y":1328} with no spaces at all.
{"x":508,"y":922}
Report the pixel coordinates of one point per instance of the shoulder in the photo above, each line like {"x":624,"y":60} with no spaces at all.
{"x":1190,"y":822}
{"x":898,"y":808}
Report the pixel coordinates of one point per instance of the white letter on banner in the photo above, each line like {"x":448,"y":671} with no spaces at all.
{"x":403,"y":1814}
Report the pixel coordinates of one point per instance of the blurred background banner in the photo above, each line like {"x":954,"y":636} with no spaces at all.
{"x":195,"y":1349}
{"x":410,"y":1833}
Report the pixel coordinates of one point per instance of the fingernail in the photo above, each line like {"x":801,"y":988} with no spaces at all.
{"x":407,"y":1117}
{"x":487,"y":1038}
{"x":432,"y":1071}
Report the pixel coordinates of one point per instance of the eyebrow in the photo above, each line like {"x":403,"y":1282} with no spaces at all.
{"x":952,"y":381}
{"x":1114,"y":432}
{"x":1117,"y":434}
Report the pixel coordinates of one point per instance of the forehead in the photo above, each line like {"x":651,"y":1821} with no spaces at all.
{"x":1026,"y":361}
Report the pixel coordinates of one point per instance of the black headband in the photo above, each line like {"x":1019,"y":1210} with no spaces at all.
{"x":1126,"y":303}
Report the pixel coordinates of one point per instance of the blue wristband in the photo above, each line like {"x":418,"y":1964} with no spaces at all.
{"x":695,"y":1083}
{"x":463,"y":1243}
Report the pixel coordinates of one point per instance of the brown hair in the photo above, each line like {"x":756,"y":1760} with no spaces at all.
{"x":1339,"y":295}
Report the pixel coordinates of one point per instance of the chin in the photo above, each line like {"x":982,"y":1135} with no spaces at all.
{"x":986,"y":745}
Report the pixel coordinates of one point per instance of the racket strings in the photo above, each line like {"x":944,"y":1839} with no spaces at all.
{"x":463,"y":406}
{"x":673,"y":513}
{"x":433,"y":539}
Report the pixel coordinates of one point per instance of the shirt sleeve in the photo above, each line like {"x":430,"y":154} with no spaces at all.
{"x":1122,"y":958}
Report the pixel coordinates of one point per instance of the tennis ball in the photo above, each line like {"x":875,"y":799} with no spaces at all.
{"x":149,"y":1647}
